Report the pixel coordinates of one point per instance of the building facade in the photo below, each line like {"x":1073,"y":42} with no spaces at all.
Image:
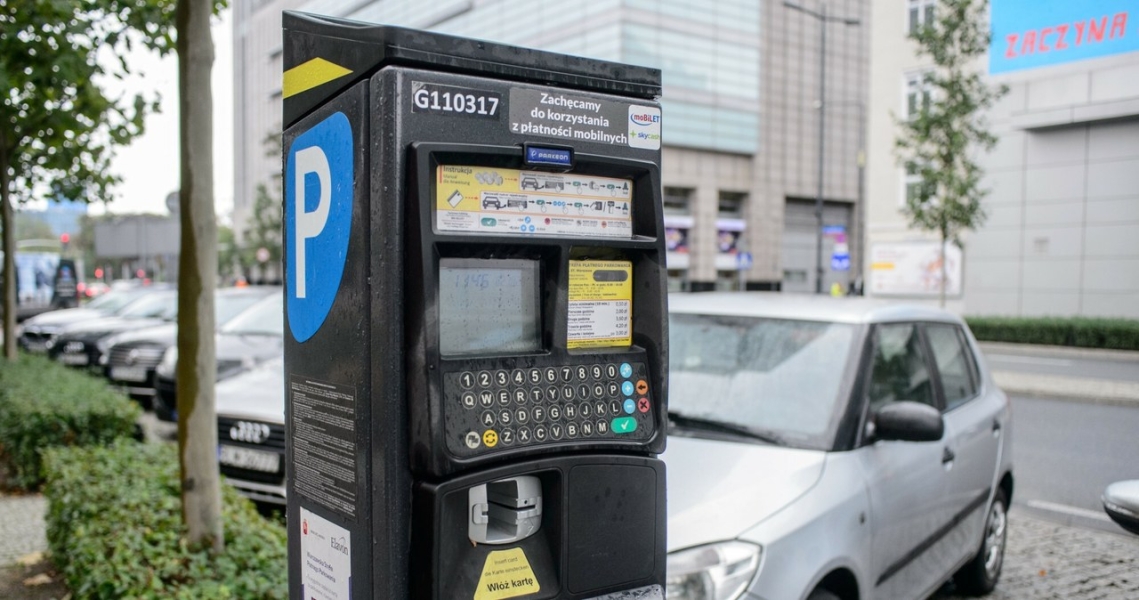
{"x":741,"y":118}
{"x":1063,"y":204}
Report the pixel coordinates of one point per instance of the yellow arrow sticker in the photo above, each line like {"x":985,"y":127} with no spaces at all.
{"x":313,"y":73}
{"x":506,"y":574}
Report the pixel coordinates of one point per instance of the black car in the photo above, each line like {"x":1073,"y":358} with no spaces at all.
{"x":250,"y":338}
{"x":132,"y":357}
{"x":78,"y":345}
{"x":37,"y":335}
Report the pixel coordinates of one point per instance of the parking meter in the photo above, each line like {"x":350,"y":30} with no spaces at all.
{"x":476,"y":347}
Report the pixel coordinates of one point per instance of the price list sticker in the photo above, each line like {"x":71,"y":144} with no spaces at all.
{"x":600,"y":304}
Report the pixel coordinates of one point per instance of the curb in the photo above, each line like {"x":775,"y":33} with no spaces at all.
{"x":1093,"y":391}
{"x":1059,"y":351}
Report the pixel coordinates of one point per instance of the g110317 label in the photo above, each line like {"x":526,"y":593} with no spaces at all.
{"x":454,"y":101}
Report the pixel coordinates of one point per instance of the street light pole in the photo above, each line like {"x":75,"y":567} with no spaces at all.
{"x":823,"y":19}
{"x":822,"y":148}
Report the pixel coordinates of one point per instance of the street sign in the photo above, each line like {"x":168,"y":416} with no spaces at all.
{"x":743,"y":261}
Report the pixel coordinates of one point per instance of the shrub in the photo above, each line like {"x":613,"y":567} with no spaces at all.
{"x":1082,"y":332}
{"x":115,"y":530}
{"x":44,"y":404}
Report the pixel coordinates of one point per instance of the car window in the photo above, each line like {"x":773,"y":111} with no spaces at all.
{"x":264,"y":318}
{"x":773,"y":375}
{"x":900,"y":370}
{"x":229,"y":305}
{"x":155,"y":305}
{"x":953,"y":364}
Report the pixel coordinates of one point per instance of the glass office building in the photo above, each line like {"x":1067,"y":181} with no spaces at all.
{"x":712,"y":59}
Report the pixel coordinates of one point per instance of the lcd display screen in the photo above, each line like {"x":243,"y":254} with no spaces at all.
{"x":488,"y":306}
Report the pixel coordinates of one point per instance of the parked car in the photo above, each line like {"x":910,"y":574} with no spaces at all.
{"x":251,"y":431}
{"x":827,"y":448}
{"x":250,"y":338}
{"x":37,"y":334}
{"x":77,"y":345}
{"x":131,"y":357}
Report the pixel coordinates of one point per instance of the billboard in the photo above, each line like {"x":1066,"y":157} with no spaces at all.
{"x":1042,"y":33}
{"x":913,"y":269}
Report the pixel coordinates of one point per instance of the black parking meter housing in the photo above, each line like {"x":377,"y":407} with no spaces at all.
{"x":476,"y":348}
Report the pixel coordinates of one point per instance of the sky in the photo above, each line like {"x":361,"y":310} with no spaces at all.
{"x":149,"y":166}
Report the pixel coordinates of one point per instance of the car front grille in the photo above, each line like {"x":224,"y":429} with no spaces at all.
{"x":275,"y":442}
{"x":135,"y":356}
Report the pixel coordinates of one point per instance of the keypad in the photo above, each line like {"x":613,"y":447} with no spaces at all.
{"x":501,"y":408}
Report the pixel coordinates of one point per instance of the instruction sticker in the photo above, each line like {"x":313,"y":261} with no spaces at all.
{"x":600,"y":304}
{"x":326,"y":558}
{"x":513,"y":202}
{"x":506,"y":574}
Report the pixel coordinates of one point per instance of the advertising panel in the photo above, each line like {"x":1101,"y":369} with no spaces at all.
{"x":1052,"y":32}
{"x":913,"y":269}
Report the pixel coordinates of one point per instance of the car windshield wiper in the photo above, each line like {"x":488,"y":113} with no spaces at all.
{"x":701,"y":423}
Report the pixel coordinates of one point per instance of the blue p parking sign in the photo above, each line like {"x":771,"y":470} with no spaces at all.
{"x":318,"y":221}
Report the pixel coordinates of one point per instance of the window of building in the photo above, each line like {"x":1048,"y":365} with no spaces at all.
{"x":732,"y":205}
{"x":954,"y":364}
{"x":916,"y":188}
{"x":678,"y":280}
{"x":727,"y":281}
{"x":677,"y":201}
{"x":921,"y":13}
{"x":917,"y":94}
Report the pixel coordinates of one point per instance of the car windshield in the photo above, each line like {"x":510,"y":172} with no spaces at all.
{"x":230,"y":305}
{"x":776,"y":377}
{"x":264,"y":318}
{"x":115,"y":301}
{"x":155,"y":305}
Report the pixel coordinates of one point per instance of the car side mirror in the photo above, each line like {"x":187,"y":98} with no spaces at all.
{"x":908,"y":422}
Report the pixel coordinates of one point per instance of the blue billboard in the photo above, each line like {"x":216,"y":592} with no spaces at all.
{"x":1038,"y":33}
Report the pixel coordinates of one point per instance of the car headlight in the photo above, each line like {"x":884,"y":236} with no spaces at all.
{"x":166,"y":368}
{"x":106,"y":342}
{"x":714,"y":572}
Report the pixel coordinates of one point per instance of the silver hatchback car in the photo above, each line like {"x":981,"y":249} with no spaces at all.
{"x":827,"y":448}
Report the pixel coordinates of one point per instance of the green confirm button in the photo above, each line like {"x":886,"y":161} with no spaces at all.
{"x":624,"y":425}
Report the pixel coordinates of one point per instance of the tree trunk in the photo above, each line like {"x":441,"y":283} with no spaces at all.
{"x":8,"y":222}
{"x":197,"y":280}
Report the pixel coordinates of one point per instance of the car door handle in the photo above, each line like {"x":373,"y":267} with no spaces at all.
{"x":947,"y":456}
{"x":996,"y":425}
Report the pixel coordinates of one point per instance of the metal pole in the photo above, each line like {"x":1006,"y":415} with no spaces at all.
{"x":822,"y":149}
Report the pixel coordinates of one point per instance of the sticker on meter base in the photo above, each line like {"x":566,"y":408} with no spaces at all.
{"x":506,"y":574}
{"x":600,"y":304}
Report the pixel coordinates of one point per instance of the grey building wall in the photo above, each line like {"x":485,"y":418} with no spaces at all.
{"x":1063,"y":181}
{"x":1064,"y":207}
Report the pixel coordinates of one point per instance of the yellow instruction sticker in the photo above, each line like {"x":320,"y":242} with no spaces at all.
{"x":512,"y":202}
{"x":600,"y":304}
{"x":506,"y":574}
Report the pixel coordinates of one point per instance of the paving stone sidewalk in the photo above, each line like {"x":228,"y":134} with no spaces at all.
{"x":1045,"y":560}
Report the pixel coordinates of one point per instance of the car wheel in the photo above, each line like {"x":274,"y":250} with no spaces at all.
{"x":823,"y":594}
{"x":980,"y":575}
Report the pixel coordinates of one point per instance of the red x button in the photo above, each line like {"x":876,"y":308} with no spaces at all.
{"x":642,"y":387}
{"x":643,"y":405}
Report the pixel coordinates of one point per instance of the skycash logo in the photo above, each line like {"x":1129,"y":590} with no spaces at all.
{"x":644,"y":128}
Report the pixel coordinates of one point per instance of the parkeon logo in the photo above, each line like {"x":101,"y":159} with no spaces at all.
{"x":318,"y":220}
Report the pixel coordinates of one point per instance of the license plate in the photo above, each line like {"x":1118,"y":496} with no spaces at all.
{"x":244,"y":458}
{"x":137,"y":374}
{"x":37,"y":347}
{"x":76,"y":360}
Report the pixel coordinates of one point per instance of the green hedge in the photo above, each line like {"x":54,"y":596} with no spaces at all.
{"x":44,"y":404}
{"x":115,"y":529}
{"x":1081,"y":332}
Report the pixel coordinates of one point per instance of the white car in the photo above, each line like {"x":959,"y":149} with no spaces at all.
{"x":826,"y":448}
